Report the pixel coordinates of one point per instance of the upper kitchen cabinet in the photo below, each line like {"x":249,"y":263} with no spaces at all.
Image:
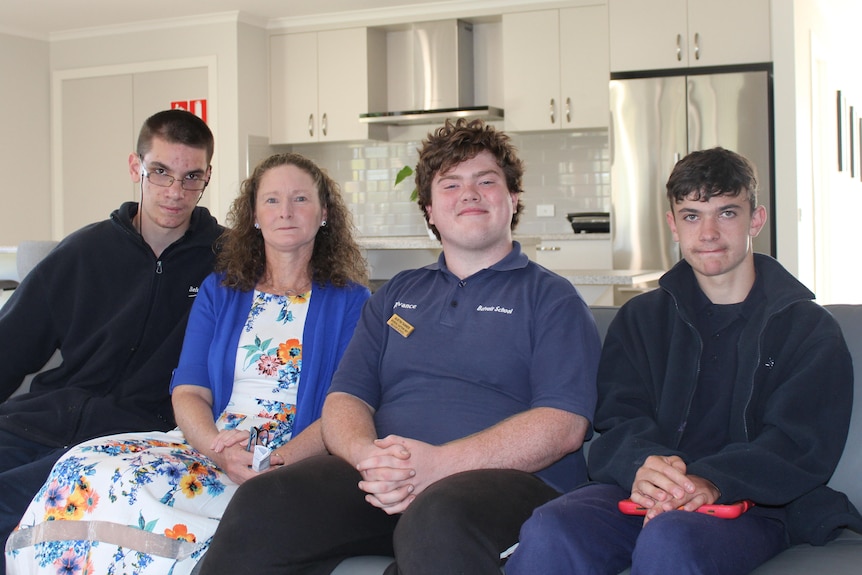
{"x":321,"y":81}
{"x":555,"y":69}
{"x":664,"y":34}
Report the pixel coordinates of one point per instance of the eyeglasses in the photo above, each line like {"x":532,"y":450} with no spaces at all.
{"x":190,"y":182}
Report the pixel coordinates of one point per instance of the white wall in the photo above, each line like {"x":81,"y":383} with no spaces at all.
{"x":814,"y":53}
{"x":25,"y":161}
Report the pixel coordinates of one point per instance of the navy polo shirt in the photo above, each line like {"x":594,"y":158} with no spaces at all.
{"x":719,"y":326}
{"x":463,"y":355}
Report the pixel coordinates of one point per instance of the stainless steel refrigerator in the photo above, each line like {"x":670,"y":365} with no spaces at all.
{"x":657,"y":120}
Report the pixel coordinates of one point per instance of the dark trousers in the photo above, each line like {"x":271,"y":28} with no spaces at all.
{"x":583,"y":532}
{"x":24,"y":467}
{"x":307,"y":517}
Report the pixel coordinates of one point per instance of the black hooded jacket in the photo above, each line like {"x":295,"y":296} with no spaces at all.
{"x":118,"y":314}
{"x":790,"y":409}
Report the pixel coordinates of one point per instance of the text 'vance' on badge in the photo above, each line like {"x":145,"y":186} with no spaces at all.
{"x":398,"y":323}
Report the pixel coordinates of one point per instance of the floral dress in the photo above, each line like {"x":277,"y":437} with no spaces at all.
{"x":149,"y":503}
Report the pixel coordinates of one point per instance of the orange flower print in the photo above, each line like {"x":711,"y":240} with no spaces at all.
{"x":74,"y":509}
{"x":181,"y":533}
{"x":197,"y":468}
{"x":268,"y":365}
{"x":299,"y":298}
{"x":87,"y":499}
{"x":54,"y":513}
{"x":191,"y":485}
{"x":290,"y":351}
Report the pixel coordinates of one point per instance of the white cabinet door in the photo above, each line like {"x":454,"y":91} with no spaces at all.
{"x":293,"y":88}
{"x":728,"y":32}
{"x":531,"y":70}
{"x":585,"y":70}
{"x":647,"y":34}
{"x":321,"y":81}
{"x":575,"y":254}
{"x":666,"y":34}
{"x":343,"y":63}
{"x":555,"y":69}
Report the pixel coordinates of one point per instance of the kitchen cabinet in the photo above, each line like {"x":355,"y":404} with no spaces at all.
{"x":666,"y":34}
{"x":556,"y":69}
{"x":584,"y":252}
{"x":321,"y":81}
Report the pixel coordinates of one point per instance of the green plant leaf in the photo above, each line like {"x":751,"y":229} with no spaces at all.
{"x":403,"y":174}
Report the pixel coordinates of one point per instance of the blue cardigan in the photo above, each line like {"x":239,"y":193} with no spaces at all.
{"x":215,"y":324}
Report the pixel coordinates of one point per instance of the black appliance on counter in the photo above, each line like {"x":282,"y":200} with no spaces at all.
{"x":590,"y":222}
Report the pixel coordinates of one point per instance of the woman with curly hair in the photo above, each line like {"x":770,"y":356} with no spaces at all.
{"x":264,"y":337}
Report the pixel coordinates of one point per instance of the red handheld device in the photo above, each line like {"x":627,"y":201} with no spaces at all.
{"x":726,"y":511}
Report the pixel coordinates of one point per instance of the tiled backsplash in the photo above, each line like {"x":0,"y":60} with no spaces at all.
{"x":570,"y":170}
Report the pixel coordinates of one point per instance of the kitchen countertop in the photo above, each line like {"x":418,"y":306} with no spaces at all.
{"x":425,"y":243}
{"x":573,"y":236}
{"x":610,"y":277}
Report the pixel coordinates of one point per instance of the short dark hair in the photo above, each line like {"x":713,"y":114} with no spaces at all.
{"x":452,"y":144}
{"x":177,"y":127}
{"x":336,"y":257}
{"x":704,"y":174}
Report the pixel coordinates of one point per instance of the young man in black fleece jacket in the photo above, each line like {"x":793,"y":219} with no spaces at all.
{"x":113,"y":297}
{"x":727,"y":383}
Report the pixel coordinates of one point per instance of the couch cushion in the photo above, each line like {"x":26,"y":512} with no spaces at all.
{"x":842,"y":556}
{"x":848,"y":476}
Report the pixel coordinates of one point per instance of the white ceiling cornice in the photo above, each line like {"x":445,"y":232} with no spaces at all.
{"x":415,"y":13}
{"x":161,"y":24}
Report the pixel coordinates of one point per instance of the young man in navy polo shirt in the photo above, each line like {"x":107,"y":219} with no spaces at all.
{"x":460,"y":405}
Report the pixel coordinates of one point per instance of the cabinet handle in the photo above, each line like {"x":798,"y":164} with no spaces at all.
{"x":323,"y":124}
{"x":679,"y":47}
{"x":568,"y":110}
{"x":553,"y":105}
{"x":696,"y":46}
{"x":548,"y":248}
{"x":311,"y":125}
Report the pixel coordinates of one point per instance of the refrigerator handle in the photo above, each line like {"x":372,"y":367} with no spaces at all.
{"x":551,"y":111}
{"x":679,"y":47}
{"x":676,"y":158}
{"x":696,"y":46}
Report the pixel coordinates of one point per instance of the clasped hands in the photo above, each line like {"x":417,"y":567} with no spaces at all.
{"x":661,"y":484}
{"x":396,"y":469}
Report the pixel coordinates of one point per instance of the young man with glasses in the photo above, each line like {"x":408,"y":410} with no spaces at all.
{"x":114,"y":298}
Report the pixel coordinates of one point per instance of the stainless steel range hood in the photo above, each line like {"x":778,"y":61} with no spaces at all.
{"x":430,"y":71}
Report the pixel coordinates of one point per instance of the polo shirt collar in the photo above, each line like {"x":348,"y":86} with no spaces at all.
{"x":514,"y":260}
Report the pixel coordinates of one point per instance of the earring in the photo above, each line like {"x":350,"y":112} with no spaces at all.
{"x":323,"y":224}
{"x":256,"y":226}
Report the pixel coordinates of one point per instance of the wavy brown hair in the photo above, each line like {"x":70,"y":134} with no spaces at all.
{"x":336,"y":257}
{"x":458,"y":142}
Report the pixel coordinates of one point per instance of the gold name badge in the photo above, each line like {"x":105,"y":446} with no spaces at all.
{"x":399,"y":324}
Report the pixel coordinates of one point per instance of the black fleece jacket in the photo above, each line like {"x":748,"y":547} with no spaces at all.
{"x":791,"y":399}
{"x":118,"y":314}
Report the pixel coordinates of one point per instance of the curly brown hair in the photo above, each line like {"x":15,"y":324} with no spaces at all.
{"x":452,"y":144}
{"x":336,"y":257}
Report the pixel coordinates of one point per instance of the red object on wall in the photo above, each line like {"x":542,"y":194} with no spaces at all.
{"x":196,"y":107}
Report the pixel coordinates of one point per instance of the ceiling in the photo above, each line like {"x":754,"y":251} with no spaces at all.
{"x":44,"y":18}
